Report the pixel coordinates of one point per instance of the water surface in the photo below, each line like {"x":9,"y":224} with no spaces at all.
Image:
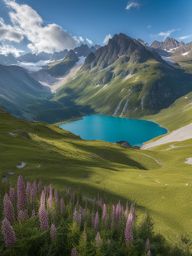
{"x":113,"y":129}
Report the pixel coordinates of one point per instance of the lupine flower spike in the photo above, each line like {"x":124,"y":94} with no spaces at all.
{"x":8,"y":209}
{"x":8,"y":233}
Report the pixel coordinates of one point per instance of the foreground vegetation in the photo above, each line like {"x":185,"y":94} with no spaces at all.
{"x":37,"y":220}
{"x":159,"y":181}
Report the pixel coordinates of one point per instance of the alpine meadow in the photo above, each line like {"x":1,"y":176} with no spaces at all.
{"x":95,"y":128}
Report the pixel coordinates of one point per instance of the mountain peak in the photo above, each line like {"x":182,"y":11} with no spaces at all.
{"x":168,"y":44}
{"x":118,"y":46}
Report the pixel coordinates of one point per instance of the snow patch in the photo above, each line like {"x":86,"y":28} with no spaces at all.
{"x":185,"y":53}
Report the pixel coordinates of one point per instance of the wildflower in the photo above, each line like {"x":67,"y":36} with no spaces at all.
{"x":43,"y":218}
{"x":53,"y":232}
{"x":56,"y":196}
{"x":104,"y":213}
{"x":42,"y":199}
{"x":118,"y":211}
{"x":28,"y":190}
{"x":21,"y":196}
{"x":33,"y":191}
{"x":22,"y":215}
{"x":74,"y":252}
{"x":8,"y":233}
{"x":98,"y":240}
{"x":96,"y":221}
{"x":128,"y":229}
{"x":8,"y":209}
{"x":50,"y":199}
{"x":33,"y":213}
{"x":77,"y":216}
{"x":12,"y":195}
{"x":62,"y":206}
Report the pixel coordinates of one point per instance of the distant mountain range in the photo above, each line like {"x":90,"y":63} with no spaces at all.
{"x":126,"y":77}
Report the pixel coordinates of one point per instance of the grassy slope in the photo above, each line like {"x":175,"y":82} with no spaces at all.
{"x":139,"y":94}
{"x":59,"y":157}
{"x":177,"y":115}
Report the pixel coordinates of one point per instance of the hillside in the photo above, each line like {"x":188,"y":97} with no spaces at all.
{"x":126,"y":78}
{"x":150,"y":178}
{"x":60,"y":68}
{"x":18,"y":91}
{"x":177,"y":115}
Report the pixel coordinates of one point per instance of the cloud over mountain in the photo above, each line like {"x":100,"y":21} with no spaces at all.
{"x":30,"y":25}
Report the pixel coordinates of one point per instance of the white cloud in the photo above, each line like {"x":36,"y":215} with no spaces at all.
{"x":132,"y":5}
{"x":6,"y":49}
{"x":41,"y":37}
{"x":80,"y":40}
{"x":184,"y":37}
{"x":107,"y":38}
{"x":166,"y":34}
{"x":9,"y":33}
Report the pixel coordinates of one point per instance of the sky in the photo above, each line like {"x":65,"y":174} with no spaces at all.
{"x":55,"y":25}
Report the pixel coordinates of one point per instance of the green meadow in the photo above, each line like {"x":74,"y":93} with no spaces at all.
{"x":159,"y":181}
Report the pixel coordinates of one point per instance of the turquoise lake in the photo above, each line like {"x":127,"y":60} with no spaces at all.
{"x":113,"y":129}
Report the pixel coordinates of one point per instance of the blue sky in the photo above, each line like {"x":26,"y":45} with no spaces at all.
{"x":145,"y":19}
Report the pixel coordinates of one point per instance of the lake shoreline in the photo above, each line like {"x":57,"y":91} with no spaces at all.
{"x":113,"y":129}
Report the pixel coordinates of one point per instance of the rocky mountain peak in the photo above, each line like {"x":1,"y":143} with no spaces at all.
{"x":118,"y":46}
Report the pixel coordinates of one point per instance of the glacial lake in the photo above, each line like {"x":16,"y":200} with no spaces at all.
{"x":113,"y":129}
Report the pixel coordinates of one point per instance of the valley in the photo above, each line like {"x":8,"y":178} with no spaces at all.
{"x":157,"y":180}
{"x":123,"y":79}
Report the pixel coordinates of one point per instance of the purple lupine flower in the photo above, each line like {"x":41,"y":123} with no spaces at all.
{"x":8,"y":233}
{"x":35,"y":188}
{"x":50,"y":199}
{"x":56,"y":196}
{"x":28,"y":190}
{"x":8,"y":209}
{"x":77,"y":216}
{"x":117,"y":211}
{"x":104,"y":213}
{"x":98,"y":240}
{"x":112,"y":216}
{"x":32,"y":194}
{"x":74,"y":252}
{"x":113,"y":213}
{"x":53,"y":232}
{"x":43,"y":218}
{"x":42,"y":199}
{"x":33,"y":213}
{"x":21,"y":196}
{"x":96,"y":221}
{"x":62,"y":206}
{"x":132,"y":211}
{"x":129,"y":229}
{"x":126,"y":212}
{"x":22,"y":215}
{"x":12,"y":195}
{"x":33,"y":191}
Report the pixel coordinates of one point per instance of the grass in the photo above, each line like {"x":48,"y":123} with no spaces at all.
{"x":158,"y":181}
{"x":177,"y":115}
{"x":151,"y":87}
